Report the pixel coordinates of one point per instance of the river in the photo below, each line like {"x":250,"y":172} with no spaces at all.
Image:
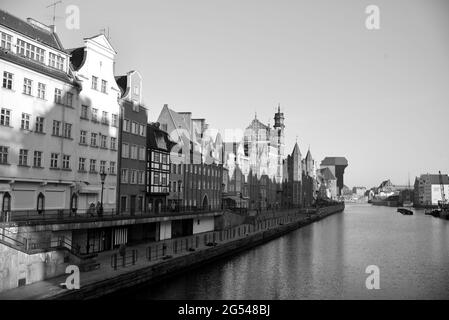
{"x":328,"y":260}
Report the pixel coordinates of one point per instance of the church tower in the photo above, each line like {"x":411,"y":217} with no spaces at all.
{"x":279,"y":138}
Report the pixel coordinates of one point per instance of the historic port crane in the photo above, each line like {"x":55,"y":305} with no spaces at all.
{"x":443,"y":196}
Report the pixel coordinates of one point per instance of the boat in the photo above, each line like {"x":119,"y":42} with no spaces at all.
{"x":406,"y":212}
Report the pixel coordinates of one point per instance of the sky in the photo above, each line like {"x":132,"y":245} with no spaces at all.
{"x":380,"y":98}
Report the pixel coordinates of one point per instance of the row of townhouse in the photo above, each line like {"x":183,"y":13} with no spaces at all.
{"x":79,"y":162}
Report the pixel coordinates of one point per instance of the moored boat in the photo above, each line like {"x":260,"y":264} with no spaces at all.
{"x":405,"y":211}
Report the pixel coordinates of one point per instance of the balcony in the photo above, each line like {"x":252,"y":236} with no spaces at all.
{"x":34,"y":217}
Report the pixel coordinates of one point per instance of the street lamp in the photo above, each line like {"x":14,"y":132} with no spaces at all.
{"x":102,"y":177}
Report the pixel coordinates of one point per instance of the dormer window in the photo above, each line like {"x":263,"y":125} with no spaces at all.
{"x":30,"y":51}
{"x":55,"y":61}
{"x":136,"y":90}
{"x":6,"y":41}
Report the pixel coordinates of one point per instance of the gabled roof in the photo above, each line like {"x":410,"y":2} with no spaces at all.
{"x":296,"y":149}
{"x":334,"y":161}
{"x":30,"y":30}
{"x":257,"y":124}
{"x":122,"y":82}
{"x":158,"y":139}
{"x":103,"y":41}
{"x":309,"y":155}
{"x":77,"y":57}
{"x":327,"y":174}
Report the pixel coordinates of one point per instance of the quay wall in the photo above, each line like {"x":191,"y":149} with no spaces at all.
{"x":176,"y":265}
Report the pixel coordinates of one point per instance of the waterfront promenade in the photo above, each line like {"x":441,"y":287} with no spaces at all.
{"x":161,"y":258}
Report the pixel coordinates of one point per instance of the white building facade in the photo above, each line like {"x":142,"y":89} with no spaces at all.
{"x":38,"y":108}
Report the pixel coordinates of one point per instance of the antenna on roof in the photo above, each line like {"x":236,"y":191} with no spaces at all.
{"x":103,"y":31}
{"x":54,"y":9}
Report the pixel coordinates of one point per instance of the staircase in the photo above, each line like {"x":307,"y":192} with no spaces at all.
{"x":85,"y":262}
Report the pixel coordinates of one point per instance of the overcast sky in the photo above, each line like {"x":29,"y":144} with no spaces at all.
{"x":378,"y":97}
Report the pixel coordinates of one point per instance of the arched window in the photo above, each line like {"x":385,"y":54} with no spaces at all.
{"x":6,"y":203}
{"x":40,"y":203}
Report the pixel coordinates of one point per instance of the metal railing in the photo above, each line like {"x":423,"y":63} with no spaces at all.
{"x":123,"y":260}
{"x":167,"y":248}
{"x":88,"y":215}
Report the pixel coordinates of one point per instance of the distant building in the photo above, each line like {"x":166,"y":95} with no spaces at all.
{"x":337,"y":166}
{"x":427,"y":189}
{"x":292,"y":185}
{"x":327,"y":183}
{"x":359,"y":191}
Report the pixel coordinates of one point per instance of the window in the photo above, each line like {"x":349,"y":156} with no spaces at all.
{"x":124,"y":176}
{"x":56,"y":127}
{"x":156,"y":178}
{"x":94,"y":83}
{"x":27,"y":83}
{"x":113,"y":143}
{"x":141,"y":153}
{"x":54,"y":160}
{"x":30,"y":51}
{"x":93,"y":139}
{"x":126,"y":125}
{"x":133,"y":177}
{"x":82,"y":164}
{"x":112,"y":167}
{"x":25,"y":123}
{"x":3,"y":155}
{"x":41,"y":90}
{"x":66,"y":162}
{"x":141,"y":177}
{"x":23,"y":157}
{"x":94,"y":114}
{"x":67,"y":130}
{"x":103,"y":141}
{"x":85,"y":112}
{"x":37,"y":161}
{"x":125,"y":150}
{"x":104,"y":85}
{"x":39,"y":125}
{"x":7,"y":80}
{"x":5,"y":117}
{"x":133,"y":127}
{"x":104,"y":117}
{"x":142,"y":130}
{"x":102,"y":166}
{"x":83,"y":135}
{"x":55,"y":61}
{"x":6,"y":41}
{"x":134,"y":152}
{"x":69,"y":99}
{"x":93,"y":165}
{"x":58,"y":95}
{"x":114,"y":120}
